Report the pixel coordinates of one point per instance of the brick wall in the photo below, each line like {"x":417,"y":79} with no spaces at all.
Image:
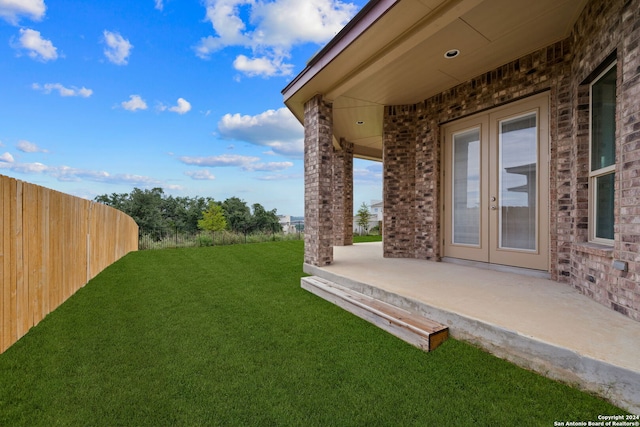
{"x":609,"y":29}
{"x":318,"y":194}
{"x":413,"y":132}
{"x":399,"y":164}
{"x":412,"y":153}
{"x":563,"y":155}
{"x":343,"y":194}
{"x":626,"y":293}
{"x":427,"y":188}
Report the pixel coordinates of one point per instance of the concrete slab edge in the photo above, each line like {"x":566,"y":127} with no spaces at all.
{"x":616,"y":384}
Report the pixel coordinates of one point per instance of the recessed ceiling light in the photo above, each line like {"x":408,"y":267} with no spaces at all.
{"x":451,"y":53}
{"x":360,"y":122}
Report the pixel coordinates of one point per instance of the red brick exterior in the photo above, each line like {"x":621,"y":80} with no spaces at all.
{"x":400,"y":131}
{"x":343,"y":194}
{"x":412,"y":153}
{"x":411,"y":145}
{"x":318,"y":194}
{"x":609,"y":29}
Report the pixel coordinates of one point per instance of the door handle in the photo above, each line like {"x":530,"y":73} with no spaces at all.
{"x":493,"y":207}
{"x":493,"y":198}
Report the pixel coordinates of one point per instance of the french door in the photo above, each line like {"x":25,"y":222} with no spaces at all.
{"x":496,"y":175}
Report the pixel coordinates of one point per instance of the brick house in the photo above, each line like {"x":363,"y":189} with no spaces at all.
{"x":509,"y":132}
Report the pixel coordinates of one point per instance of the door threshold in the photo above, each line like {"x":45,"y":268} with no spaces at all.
{"x":498,"y":267}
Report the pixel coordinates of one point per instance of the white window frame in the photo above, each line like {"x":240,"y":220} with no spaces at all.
{"x":595,"y":174}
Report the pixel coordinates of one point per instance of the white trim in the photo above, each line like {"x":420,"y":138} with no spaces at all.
{"x":595,"y":174}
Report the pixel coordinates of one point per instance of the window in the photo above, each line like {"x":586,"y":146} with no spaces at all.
{"x":602,"y":155}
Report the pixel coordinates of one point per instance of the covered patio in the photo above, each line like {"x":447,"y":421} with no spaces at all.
{"x":532,"y":321}
{"x":491,"y":120}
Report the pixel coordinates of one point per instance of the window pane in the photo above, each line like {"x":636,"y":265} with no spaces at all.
{"x":466,"y":187}
{"x":518,"y":146}
{"x":604,"y":206}
{"x":603,"y":121}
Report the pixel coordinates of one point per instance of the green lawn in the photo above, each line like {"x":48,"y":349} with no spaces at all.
{"x":369,"y":238}
{"x":226,"y":336}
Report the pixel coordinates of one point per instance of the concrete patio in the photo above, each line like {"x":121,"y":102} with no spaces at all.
{"x":534,"y":322}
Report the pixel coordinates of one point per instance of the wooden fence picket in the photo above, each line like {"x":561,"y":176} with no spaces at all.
{"x":51,"y":245}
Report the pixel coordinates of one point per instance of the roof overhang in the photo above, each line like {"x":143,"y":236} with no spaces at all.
{"x":393,"y":53}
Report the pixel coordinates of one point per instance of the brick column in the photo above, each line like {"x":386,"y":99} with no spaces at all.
{"x":343,"y":194}
{"x":318,"y":195}
{"x":399,"y":171}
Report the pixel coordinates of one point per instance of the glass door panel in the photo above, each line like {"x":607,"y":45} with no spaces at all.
{"x":466,"y":187}
{"x":496,"y":185}
{"x":517,"y":178}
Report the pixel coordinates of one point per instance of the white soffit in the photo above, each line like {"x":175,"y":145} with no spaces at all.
{"x":400,"y":58}
{"x":488,"y":35}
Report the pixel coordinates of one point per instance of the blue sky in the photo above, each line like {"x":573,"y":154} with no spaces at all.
{"x":103,"y":96}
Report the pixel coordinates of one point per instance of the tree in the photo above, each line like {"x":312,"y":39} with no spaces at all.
{"x":238,"y":215}
{"x":213,"y":218}
{"x":145,"y":207}
{"x":194,"y":209}
{"x":185,"y":212}
{"x":363,"y":217}
{"x":265,"y":221}
{"x":118,"y":201}
{"x":158,"y":214}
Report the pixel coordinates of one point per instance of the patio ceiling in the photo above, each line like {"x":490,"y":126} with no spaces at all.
{"x":393,"y":53}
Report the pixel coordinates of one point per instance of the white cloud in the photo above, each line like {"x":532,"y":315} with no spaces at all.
{"x":289,"y":22}
{"x":29,"y":147}
{"x":369,"y":174}
{"x":270,"y":29}
{"x":11,"y":10}
{"x":134,"y":103}
{"x":183,"y":106}
{"x":159,"y":4}
{"x":223,"y":160}
{"x":70,"y":174}
{"x":7,"y":158}
{"x":224,"y":15}
{"x":262,"y":66}
{"x":37,"y":47}
{"x":173,"y":187}
{"x":118,"y":48}
{"x":267,"y":167}
{"x":247,"y":163}
{"x":66,"y":173}
{"x":201,"y":175}
{"x":277,"y":129}
{"x":28,"y":168}
{"x":62,"y":90}
{"x":281,"y":177}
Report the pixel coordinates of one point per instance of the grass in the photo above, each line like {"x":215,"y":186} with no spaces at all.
{"x":368,"y":238}
{"x":226,"y":336}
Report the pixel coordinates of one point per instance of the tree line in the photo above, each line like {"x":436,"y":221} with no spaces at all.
{"x":158,"y":214}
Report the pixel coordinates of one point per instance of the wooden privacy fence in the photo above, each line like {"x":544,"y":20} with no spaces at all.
{"x":51,"y":244}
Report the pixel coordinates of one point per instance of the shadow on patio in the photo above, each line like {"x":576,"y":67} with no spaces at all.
{"x":536,"y":323}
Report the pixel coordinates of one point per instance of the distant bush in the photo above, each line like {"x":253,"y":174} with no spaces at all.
{"x":205,"y":240}
{"x":208,"y":238}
